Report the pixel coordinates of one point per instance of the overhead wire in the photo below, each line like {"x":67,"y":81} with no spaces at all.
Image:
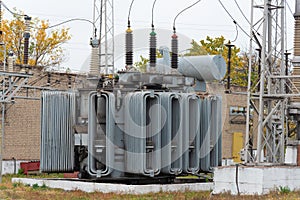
{"x":70,"y":20}
{"x":152,"y":23}
{"x":237,"y":33}
{"x":129,"y":12}
{"x":289,"y":8}
{"x":174,"y":41}
{"x":234,"y":21}
{"x":174,"y":22}
{"x":241,"y":11}
{"x":52,"y":26}
{"x":13,"y":13}
{"x":40,"y":76}
{"x":285,"y":25}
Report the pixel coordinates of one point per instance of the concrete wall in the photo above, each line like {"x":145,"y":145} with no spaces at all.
{"x":115,"y":188}
{"x":255,"y":180}
{"x":11,"y":167}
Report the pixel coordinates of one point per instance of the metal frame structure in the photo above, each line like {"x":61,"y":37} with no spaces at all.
{"x":11,"y":84}
{"x":271,"y":101}
{"x":103,"y":19}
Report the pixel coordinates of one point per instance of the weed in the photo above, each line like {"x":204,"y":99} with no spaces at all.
{"x":17,"y":184}
{"x":3,"y":187}
{"x":44,"y":187}
{"x":284,"y":189}
{"x":20,"y":171}
{"x":35,"y":186}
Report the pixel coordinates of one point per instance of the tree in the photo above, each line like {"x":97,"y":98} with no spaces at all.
{"x":141,"y":65}
{"x":239,"y":61}
{"x":45,"y":47}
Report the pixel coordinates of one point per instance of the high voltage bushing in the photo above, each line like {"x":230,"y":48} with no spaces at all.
{"x":174,"y":53}
{"x":129,"y":47}
{"x":153,"y":49}
{"x":26,"y":39}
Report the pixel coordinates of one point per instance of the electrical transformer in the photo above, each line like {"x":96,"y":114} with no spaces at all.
{"x":136,"y":125}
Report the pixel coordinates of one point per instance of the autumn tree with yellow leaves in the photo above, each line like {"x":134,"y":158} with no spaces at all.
{"x":45,"y":45}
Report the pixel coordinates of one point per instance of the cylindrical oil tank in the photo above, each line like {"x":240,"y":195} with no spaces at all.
{"x":203,"y":68}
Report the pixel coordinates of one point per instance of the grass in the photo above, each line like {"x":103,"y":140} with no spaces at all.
{"x":9,"y":190}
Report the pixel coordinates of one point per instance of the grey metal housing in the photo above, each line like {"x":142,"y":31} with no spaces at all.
{"x":143,"y":133}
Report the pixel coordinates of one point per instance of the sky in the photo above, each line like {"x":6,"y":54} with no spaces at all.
{"x":207,"y":18}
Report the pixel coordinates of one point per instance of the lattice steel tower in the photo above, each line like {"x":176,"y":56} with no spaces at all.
{"x":267,"y":97}
{"x":103,"y":39}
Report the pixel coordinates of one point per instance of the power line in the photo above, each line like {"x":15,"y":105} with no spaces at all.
{"x":70,"y":20}
{"x":13,"y":13}
{"x":233,"y":19}
{"x":183,"y":23}
{"x":49,"y":27}
{"x":129,"y":12}
{"x":153,"y":13}
{"x":242,"y":12}
{"x":182,"y":12}
{"x":237,"y":33}
{"x":289,"y":8}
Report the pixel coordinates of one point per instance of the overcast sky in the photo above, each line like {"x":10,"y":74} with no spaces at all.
{"x":206,"y":18}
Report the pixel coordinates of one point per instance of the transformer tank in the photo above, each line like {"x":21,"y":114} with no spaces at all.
{"x":135,"y":125}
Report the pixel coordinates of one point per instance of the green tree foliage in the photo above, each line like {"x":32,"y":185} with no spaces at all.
{"x":141,"y":65}
{"x":45,"y":47}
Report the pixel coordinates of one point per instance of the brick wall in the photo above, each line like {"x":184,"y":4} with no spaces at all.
{"x":22,"y":118}
{"x":238,"y":97}
{"x":22,"y":130}
{"x":229,"y":128}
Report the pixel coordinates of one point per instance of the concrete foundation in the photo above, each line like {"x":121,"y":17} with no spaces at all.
{"x":115,"y":188}
{"x":291,"y":155}
{"x":11,"y":166}
{"x":255,"y":180}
